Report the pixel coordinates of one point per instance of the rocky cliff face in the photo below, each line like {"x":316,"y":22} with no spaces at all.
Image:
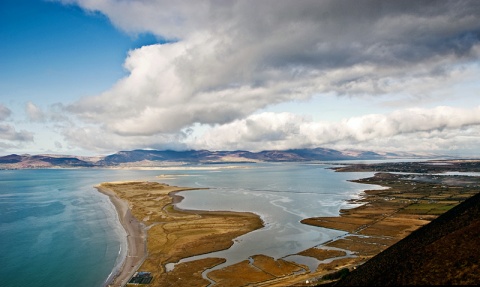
{"x":443,"y":252}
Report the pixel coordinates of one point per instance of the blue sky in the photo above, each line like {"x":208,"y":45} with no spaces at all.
{"x":60,"y":51}
{"x":97,"y":76}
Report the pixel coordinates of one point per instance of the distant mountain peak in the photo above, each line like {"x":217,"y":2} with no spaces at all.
{"x":152,"y":157}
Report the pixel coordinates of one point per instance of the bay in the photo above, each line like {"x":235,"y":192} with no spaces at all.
{"x":57,"y":230}
{"x":282,"y":194}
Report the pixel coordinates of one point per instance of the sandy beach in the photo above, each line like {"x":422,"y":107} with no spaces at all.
{"x":136,"y":238}
{"x":146,"y":210}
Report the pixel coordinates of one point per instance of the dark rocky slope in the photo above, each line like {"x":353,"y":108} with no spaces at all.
{"x":443,"y":252}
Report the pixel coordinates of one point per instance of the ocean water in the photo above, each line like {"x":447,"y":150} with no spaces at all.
{"x":57,"y":230}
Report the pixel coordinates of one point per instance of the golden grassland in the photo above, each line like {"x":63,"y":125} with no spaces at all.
{"x":176,"y":234}
{"x":385,"y":217}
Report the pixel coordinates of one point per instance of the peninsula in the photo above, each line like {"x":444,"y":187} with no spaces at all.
{"x":158,"y":233}
{"x":409,"y":201}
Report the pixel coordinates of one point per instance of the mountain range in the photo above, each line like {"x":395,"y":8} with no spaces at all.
{"x":149,"y":158}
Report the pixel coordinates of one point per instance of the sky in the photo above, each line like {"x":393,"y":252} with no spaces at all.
{"x":93,"y":77}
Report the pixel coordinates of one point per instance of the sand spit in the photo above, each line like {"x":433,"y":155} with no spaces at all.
{"x":136,"y":238}
{"x":172,"y":234}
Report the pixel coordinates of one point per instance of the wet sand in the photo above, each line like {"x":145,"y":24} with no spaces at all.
{"x":136,"y":239}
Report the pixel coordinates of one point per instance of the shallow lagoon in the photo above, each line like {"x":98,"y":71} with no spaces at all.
{"x":282,"y":194}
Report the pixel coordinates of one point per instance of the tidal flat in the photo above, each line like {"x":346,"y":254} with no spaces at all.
{"x":381,"y":219}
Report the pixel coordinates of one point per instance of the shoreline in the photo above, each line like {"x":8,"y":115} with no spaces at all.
{"x":177,"y":198}
{"x":136,"y":252}
{"x":384,"y":217}
{"x":148,"y":209}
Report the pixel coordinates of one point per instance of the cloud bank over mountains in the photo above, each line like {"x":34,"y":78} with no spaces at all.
{"x":222,"y":64}
{"x":429,"y":129}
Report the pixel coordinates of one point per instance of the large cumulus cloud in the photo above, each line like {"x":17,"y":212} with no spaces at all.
{"x":226,"y":60}
{"x":408,"y":130}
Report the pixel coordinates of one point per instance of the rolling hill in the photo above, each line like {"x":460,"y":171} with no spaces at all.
{"x":141,"y":157}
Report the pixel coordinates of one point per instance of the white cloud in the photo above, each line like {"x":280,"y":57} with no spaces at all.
{"x":9,"y":136}
{"x":58,"y":145}
{"x":34,"y":113}
{"x":230,"y":59}
{"x":171,"y":19}
{"x":4,"y":112}
{"x":8,"y":132}
{"x":81,"y":137}
{"x":411,"y":129}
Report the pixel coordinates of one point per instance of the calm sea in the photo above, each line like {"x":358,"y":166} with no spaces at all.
{"x":57,"y":230}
